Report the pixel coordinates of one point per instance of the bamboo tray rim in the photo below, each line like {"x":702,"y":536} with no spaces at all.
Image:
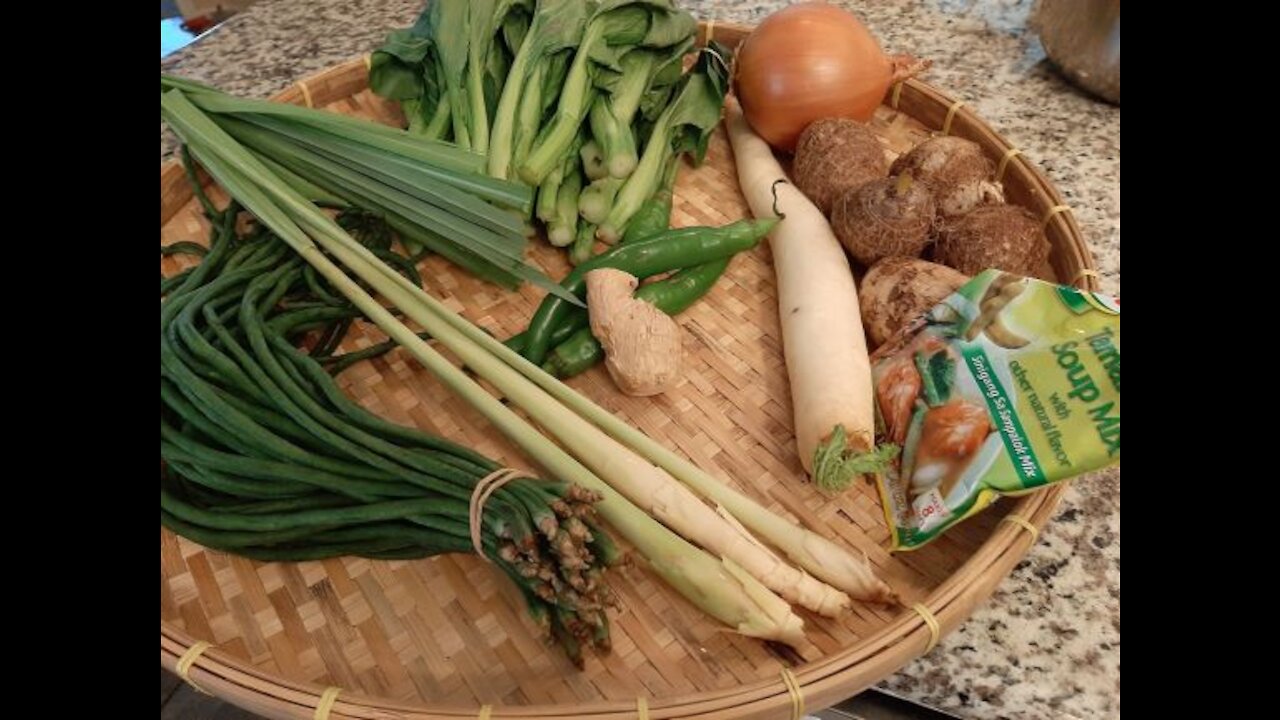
{"x":949,"y":604}
{"x":892,"y":646}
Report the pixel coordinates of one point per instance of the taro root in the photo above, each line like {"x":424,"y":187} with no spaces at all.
{"x":897,"y":290}
{"x":834,"y":155}
{"x":1006,"y":237}
{"x":957,"y":172}
{"x":884,"y":218}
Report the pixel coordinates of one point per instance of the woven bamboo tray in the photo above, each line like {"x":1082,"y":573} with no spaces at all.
{"x":448,"y":638}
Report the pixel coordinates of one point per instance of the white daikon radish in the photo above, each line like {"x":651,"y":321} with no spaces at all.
{"x":822,"y":337}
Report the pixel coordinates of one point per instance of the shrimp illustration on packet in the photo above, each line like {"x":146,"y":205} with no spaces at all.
{"x":1007,"y":385}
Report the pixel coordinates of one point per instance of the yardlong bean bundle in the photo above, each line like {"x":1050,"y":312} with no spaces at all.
{"x":265,"y":457}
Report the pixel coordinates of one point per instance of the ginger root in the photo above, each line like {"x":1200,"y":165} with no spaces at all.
{"x":641,"y":343}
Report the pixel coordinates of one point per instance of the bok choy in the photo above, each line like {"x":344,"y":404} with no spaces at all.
{"x":685,"y":126}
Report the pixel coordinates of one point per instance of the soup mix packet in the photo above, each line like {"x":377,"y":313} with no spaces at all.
{"x":1007,"y":385}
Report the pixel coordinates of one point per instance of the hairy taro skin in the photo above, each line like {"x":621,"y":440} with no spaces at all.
{"x":834,"y":155}
{"x":957,"y":172}
{"x":884,"y":218}
{"x":1006,"y":237}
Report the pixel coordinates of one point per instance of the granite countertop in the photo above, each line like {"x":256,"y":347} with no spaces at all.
{"x":1047,"y":644}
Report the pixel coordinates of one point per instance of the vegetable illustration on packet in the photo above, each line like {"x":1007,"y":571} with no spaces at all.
{"x":1007,"y":385}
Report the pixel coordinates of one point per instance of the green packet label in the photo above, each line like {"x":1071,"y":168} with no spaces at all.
{"x":1007,"y":385}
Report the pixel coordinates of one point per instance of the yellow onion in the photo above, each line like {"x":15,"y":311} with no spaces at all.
{"x":807,"y":62}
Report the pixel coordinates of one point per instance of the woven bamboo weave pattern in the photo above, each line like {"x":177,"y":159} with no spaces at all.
{"x":441,"y":637}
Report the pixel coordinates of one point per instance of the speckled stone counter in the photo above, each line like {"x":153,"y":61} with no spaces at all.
{"x":1047,"y":644}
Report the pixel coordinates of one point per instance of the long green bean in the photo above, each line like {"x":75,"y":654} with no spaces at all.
{"x":265,"y":457}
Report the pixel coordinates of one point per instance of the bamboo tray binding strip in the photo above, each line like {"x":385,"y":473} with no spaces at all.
{"x":817,"y":683}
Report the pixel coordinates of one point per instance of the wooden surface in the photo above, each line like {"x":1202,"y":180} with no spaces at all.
{"x":448,"y":633}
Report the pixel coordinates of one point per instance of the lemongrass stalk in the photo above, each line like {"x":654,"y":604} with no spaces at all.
{"x":718,"y":587}
{"x":811,"y":551}
{"x":645,"y":484}
{"x":816,"y":554}
{"x":649,"y":486}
